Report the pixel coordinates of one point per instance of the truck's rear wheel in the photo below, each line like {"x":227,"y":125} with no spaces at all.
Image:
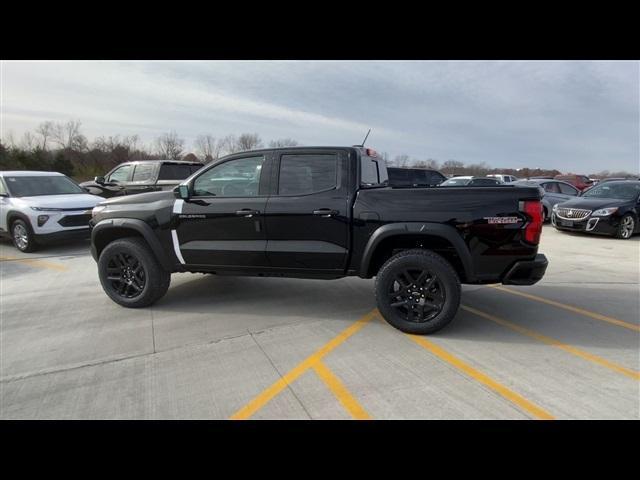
{"x":130,"y":274}
{"x":417,"y":291}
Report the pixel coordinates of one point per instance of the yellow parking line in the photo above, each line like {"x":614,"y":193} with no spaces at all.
{"x":556,"y":343}
{"x":37,"y":263}
{"x":571,"y":308}
{"x":347,"y":400}
{"x":503,"y":391}
{"x":266,"y":395}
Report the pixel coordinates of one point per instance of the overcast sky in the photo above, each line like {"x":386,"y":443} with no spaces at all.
{"x":573,"y":116}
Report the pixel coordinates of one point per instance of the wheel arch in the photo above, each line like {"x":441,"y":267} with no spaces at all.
{"x":108,"y":230}
{"x":441,"y":238}
{"x":13,"y":215}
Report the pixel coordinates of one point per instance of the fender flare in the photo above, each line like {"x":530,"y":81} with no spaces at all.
{"x":418,"y":228}
{"x":133,"y":224}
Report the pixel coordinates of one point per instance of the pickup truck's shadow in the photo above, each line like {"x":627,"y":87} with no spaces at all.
{"x":279,"y":297}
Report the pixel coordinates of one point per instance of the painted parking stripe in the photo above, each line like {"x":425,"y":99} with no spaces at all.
{"x":500,"y":389}
{"x":341,"y":392}
{"x":571,"y":308}
{"x":556,"y":343}
{"x":270,"y":392}
{"x":37,"y":263}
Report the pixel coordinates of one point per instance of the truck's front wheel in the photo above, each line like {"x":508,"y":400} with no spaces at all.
{"x":130,"y":274}
{"x":417,"y":291}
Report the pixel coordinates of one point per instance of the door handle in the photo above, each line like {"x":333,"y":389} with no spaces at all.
{"x":246,"y":212}
{"x":325,"y":212}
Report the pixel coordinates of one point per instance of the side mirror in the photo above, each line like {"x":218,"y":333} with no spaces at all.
{"x":182,"y":192}
{"x":99,"y":180}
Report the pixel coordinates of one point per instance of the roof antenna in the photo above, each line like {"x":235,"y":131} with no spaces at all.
{"x":365,"y":139}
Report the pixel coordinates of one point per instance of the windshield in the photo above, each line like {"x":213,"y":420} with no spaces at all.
{"x":622,"y":191}
{"x":20,"y":186}
{"x":452,"y":182}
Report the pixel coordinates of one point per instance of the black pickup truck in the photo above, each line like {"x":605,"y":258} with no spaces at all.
{"x":325,"y":213}
{"x":141,"y":176}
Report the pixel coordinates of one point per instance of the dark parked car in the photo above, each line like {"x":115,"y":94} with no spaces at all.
{"x":554,"y":191}
{"x":414,"y":177}
{"x":467,"y":181}
{"x":324,"y":213}
{"x":610,"y":208}
{"x":581,"y":182}
{"x":141,"y":177}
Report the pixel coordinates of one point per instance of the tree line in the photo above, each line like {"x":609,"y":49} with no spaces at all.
{"x":62,"y":147}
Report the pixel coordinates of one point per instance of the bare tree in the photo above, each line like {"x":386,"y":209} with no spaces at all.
{"x":28,"y":141}
{"x":208,"y":147}
{"x":68,"y":135}
{"x":452,"y":166}
{"x":170,"y":146}
{"x":283,"y":142}
{"x":401,"y":160}
{"x":9,"y":139}
{"x":45,"y":131}
{"x":432,"y":164}
{"x":249,"y":141}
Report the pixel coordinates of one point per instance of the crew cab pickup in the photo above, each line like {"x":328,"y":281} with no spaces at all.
{"x":325,"y":213}
{"x":141,"y":176}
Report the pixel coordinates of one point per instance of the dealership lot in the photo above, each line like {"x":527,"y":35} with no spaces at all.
{"x":240,"y":347}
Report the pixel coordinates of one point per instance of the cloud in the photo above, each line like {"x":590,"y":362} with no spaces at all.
{"x":580,"y":116}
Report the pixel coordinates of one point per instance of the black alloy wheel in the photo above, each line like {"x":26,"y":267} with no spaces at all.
{"x":417,"y":291}
{"x":126,"y":274}
{"x":417,"y":295}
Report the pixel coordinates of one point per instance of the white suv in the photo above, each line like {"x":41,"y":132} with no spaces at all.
{"x":39,"y":207}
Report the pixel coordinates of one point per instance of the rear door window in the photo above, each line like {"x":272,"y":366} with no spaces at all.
{"x":551,"y":187}
{"x":304,"y":174}
{"x":144,"y":172}
{"x":567,"y":189}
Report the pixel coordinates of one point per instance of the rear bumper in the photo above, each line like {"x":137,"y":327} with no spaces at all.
{"x":526,"y":272}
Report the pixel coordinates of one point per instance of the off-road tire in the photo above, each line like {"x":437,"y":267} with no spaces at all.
{"x":156,"y":278}
{"x":415,"y":260}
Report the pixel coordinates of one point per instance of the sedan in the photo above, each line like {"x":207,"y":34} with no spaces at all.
{"x":610,"y":208}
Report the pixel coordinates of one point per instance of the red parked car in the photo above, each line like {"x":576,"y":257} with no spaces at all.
{"x":581,"y":182}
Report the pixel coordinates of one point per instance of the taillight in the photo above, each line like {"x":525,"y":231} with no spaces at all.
{"x":533,"y":209}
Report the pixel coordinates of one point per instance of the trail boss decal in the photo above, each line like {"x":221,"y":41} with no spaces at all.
{"x":502,"y":219}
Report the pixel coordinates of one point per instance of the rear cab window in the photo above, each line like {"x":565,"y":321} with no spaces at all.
{"x":373,"y":172}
